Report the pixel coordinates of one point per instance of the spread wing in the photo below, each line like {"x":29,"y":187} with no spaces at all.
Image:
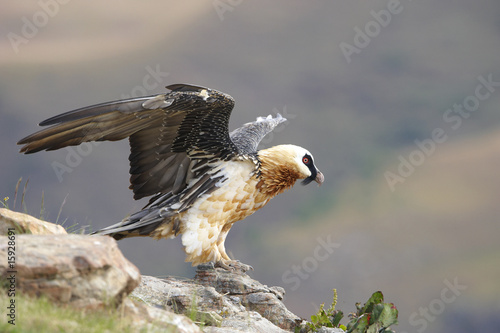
{"x":248,"y":136}
{"x":174,"y":137}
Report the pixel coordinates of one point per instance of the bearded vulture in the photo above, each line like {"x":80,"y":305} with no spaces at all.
{"x":201,"y":178}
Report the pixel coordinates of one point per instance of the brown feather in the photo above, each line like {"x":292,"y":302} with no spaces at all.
{"x":278,"y":171}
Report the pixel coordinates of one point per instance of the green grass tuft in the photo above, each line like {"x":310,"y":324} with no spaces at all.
{"x":41,"y":316}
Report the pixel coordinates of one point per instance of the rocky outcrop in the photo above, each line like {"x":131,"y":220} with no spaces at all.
{"x":221,"y":299}
{"x":80,"y":270}
{"x":90,"y":272}
{"x":26,"y":224}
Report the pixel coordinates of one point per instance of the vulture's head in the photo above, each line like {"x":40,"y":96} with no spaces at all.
{"x":289,"y":163}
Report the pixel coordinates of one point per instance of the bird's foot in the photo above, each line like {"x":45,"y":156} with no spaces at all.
{"x":233,"y":265}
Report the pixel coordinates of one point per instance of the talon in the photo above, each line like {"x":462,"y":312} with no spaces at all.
{"x":222,"y":264}
{"x":233,"y":265}
{"x":243,"y":267}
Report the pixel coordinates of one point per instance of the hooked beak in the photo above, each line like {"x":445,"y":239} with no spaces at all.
{"x":320,"y":178}
{"x":317,"y":176}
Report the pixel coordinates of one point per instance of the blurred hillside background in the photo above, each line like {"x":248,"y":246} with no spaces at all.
{"x":360,"y":82}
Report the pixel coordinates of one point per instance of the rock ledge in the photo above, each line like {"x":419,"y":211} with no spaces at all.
{"x":90,"y":272}
{"x":227,"y":301}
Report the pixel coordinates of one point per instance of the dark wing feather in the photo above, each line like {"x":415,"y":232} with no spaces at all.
{"x":110,"y":121}
{"x":168,"y":134}
{"x":124,"y":106}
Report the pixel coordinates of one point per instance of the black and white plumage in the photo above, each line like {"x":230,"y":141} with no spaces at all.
{"x":201,"y":178}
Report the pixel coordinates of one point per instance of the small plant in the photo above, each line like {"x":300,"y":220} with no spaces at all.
{"x":374,"y":316}
{"x":4,"y":202}
{"x":327,"y":318}
{"x":23,"y":203}
{"x":6,"y":205}
{"x":200,"y":317}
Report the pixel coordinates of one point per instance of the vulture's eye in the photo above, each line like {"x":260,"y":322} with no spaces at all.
{"x":306,"y":160}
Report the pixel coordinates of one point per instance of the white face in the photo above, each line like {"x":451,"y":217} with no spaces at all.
{"x":300,"y":154}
